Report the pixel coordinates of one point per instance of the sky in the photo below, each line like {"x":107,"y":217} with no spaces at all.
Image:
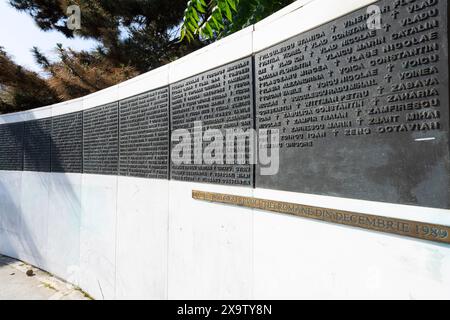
{"x":19,"y":33}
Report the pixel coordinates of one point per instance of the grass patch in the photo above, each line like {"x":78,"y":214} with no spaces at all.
{"x":49,"y":286}
{"x":85,"y":294}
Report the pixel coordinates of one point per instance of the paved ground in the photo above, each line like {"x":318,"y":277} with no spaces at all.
{"x":16,"y":285}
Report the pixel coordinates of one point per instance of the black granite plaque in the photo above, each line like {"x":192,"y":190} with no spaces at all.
{"x":11,"y":146}
{"x":144,"y":135}
{"x":67,"y":143}
{"x":101,"y":140}
{"x":220,"y":99}
{"x":362,"y":113}
{"x":37,"y":145}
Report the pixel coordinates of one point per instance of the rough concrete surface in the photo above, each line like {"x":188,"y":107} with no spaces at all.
{"x":15,"y":284}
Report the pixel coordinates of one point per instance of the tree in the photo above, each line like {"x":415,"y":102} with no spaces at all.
{"x":213,"y":19}
{"x":134,"y":36}
{"x":77,"y":74}
{"x":21,"y":89}
{"x":137,"y":33}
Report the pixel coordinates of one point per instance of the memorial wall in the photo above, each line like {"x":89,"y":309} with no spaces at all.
{"x":363,"y":120}
{"x":361,"y":113}
{"x":37,"y":145}
{"x":144,"y":135}
{"x":11,"y":147}
{"x":67,"y":143}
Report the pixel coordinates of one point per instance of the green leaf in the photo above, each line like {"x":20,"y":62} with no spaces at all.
{"x":216,"y":9}
{"x":209,"y":30}
{"x":192,"y":20}
{"x":232,"y":4}
{"x":200,"y":7}
{"x":195,"y":15}
{"x":215,"y":22}
{"x":190,"y":37}
{"x":228,"y":12}
{"x":192,"y":26}
{"x":182,"y":34}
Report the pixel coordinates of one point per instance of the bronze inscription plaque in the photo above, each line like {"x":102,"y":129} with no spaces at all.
{"x":401,"y":227}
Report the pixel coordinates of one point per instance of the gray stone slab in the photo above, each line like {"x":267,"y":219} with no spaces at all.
{"x":11,"y":146}
{"x":362,"y":113}
{"x":37,"y":145}
{"x":101,"y":140}
{"x":220,"y":99}
{"x":144,"y":135}
{"x":67,"y":143}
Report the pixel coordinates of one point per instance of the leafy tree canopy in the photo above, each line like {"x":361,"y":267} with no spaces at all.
{"x":134,"y":36}
{"x":139,"y":33}
{"x":212,"y":19}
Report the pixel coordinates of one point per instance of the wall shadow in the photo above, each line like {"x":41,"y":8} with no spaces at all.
{"x":39,"y":153}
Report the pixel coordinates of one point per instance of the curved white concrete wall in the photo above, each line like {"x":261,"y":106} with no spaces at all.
{"x":120,"y":237}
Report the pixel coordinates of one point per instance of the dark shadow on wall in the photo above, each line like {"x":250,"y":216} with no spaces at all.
{"x":18,"y":236}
